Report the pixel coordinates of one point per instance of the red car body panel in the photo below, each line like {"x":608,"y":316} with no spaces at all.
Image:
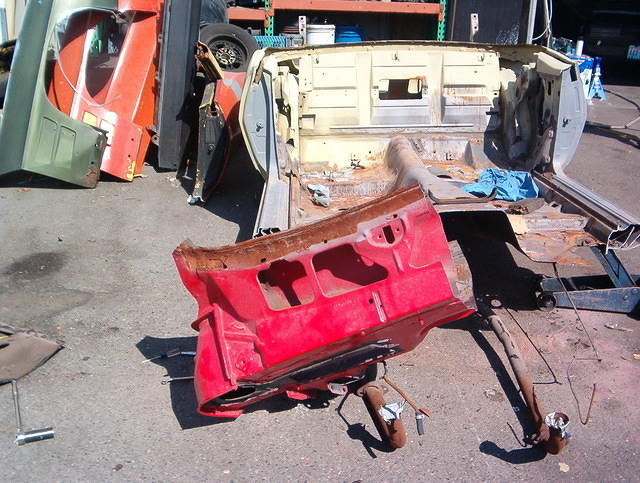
{"x":123,"y":104}
{"x":228,"y":94}
{"x":298,"y":309}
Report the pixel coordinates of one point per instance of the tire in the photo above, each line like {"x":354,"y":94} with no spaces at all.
{"x":230,"y":45}
{"x":213,"y":11}
{"x":4,"y":80}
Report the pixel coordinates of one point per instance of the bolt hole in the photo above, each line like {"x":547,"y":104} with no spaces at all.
{"x":388,"y":234}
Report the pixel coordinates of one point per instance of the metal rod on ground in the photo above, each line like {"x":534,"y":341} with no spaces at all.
{"x":23,"y":437}
{"x":575,"y":310}
{"x":169,"y":354}
{"x":16,"y":405}
{"x":420,"y":413}
{"x":176,"y":379}
{"x":404,"y":396}
{"x":610,"y":126}
{"x":553,"y":439}
{"x":593,"y":395}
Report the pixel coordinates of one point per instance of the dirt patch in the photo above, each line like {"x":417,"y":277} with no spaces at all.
{"x":36,"y":266}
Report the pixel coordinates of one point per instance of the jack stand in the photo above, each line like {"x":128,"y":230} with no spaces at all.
{"x":596,"y":89}
{"x":617,"y":291}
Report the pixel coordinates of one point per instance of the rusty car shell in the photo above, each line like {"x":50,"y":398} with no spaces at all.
{"x":368,"y":118}
{"x":371,"y":124}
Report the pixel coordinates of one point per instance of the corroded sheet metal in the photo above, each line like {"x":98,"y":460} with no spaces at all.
{"x":293,"y":311}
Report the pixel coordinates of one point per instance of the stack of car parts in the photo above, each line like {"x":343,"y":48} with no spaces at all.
{"x":105,"y":79}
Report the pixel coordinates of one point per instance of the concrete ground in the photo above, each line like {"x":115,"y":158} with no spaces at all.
{"x":94,"y":269}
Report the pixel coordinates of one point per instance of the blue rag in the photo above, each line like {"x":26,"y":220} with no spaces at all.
{"x":512,"y":185}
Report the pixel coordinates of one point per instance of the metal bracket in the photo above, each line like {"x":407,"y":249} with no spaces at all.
{"x":617,"y":291}
{"x":474,"y":26}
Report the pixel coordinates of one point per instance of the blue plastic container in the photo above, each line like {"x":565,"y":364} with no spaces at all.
{"x":348,"y":33}
{"x":265,"y":41}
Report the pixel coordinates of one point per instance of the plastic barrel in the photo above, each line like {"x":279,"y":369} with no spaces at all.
{"x":348,"y":33}
{"x":321,"y":34}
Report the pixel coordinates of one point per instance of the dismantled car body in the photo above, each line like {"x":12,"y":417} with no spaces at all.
{"x":35,"y":136}
{"x":330,"y":128}
{"x":367,"y":119}
{"x":86,"y":69}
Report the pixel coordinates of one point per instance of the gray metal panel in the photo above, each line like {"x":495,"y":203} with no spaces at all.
{"x":177,"y":70}
{"x":258,"y":123}
{"x":572,"y":114}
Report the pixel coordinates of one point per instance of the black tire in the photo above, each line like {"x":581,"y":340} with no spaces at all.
{"x":4,"y":80}
{"x":230,"y":45}
{"x":213,"y":11}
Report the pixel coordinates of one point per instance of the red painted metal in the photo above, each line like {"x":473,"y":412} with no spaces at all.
{"x":248,"y":14}
{"x":123,"y":103}
{"x":358,"y":6}
{"x":261,"y":15}
{"x":228,"y":94}
{"x":295,"y":310}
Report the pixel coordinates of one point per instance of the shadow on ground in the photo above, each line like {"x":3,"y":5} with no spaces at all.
{"x":237,"y":197}
{"x":515,"y":456}
{"x":497,"y":278}
{"x":24,"y":180}
{"x":358,"y":432}
{"x":183,"y":398}
{"x":499,"y":282}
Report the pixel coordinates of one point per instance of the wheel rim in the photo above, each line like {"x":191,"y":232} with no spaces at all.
{"x":228,"y":53}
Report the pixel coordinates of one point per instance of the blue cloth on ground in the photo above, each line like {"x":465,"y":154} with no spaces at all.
{"x":511,"y":185}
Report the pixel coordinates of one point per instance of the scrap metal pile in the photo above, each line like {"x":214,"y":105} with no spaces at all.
{"x":113,"y":84}
{"x":375,"y":158}
{"x":429,"y":142}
